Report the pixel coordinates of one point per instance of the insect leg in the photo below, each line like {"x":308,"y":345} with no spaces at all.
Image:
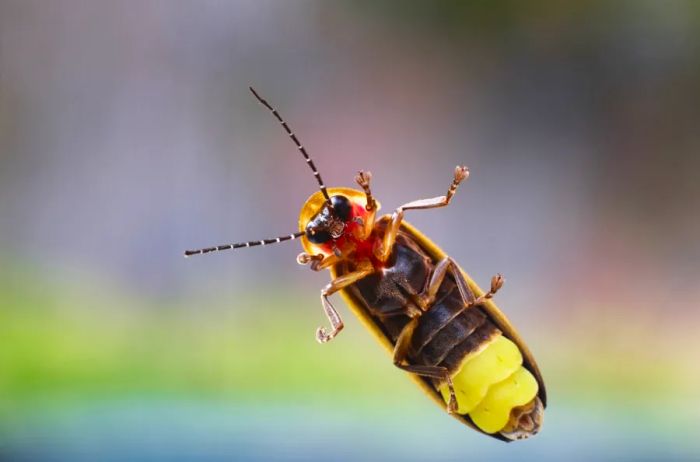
{"x":427,"y":298}
{"x":317,"y":262}
{"x":497,"y":282}
{"x":363,"y":178}
{"x":435,"y":372}
{"x":334,"y":286}
{"x":460,"y":174}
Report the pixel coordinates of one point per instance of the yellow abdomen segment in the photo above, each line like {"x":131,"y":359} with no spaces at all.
{"x":491,"y":383}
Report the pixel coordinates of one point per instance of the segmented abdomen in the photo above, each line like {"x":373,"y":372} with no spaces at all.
{"x":447,"y":333}
{"x":486,"y":368}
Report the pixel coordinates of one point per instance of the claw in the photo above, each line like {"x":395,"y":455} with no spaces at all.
{"x":323,"y":337}
{"x":452,"y":404}
{"x":461,"y":173}
{"x":363,"y":178}
{"x":497,"y":282}
{"x":452,"y":407}
{"x":305,"y":259}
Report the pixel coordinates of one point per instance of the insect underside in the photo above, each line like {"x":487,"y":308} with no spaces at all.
{"x":437,"y":323}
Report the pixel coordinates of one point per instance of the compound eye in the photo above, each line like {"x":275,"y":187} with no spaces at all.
{"x":317,"y":236}
{"x":342,"y":207}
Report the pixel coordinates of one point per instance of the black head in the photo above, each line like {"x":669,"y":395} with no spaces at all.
{"x":330,"y":222}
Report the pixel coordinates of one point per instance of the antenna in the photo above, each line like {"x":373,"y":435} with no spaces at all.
{"x":298,"y":144}
{"x":243,"y":244}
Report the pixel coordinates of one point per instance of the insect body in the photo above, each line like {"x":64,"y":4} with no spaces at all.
{"x":437,"y":323}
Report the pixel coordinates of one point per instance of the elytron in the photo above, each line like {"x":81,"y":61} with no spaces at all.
{"x":437,"y":323}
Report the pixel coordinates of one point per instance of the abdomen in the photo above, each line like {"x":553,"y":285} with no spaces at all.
{"x":495,"y":392}
{"x":486,"y":367}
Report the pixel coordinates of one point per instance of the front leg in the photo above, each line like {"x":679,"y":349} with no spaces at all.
{"x":365,"y":269}
{"x":461,"y":173}
{"x":317,"y":262}
{"x":363,"y":178}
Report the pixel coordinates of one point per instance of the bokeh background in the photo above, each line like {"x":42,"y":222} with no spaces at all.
{"x":127,"y":134}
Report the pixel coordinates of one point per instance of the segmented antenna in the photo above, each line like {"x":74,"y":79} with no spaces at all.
{"x":243,"y":244}
{"x":298,"y":144}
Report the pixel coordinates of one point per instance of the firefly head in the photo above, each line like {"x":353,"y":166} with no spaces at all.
{"x":327,"y":217}
{"x":325,"y":226}
{"x":330,"y":222}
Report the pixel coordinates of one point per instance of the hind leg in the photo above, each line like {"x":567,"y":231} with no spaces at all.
{"x":447,"y":264}
{"x":434,"y":372}
{"x":497,"y":282}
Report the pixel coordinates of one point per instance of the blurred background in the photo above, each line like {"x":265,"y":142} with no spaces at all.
{"x":127,"y":134}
